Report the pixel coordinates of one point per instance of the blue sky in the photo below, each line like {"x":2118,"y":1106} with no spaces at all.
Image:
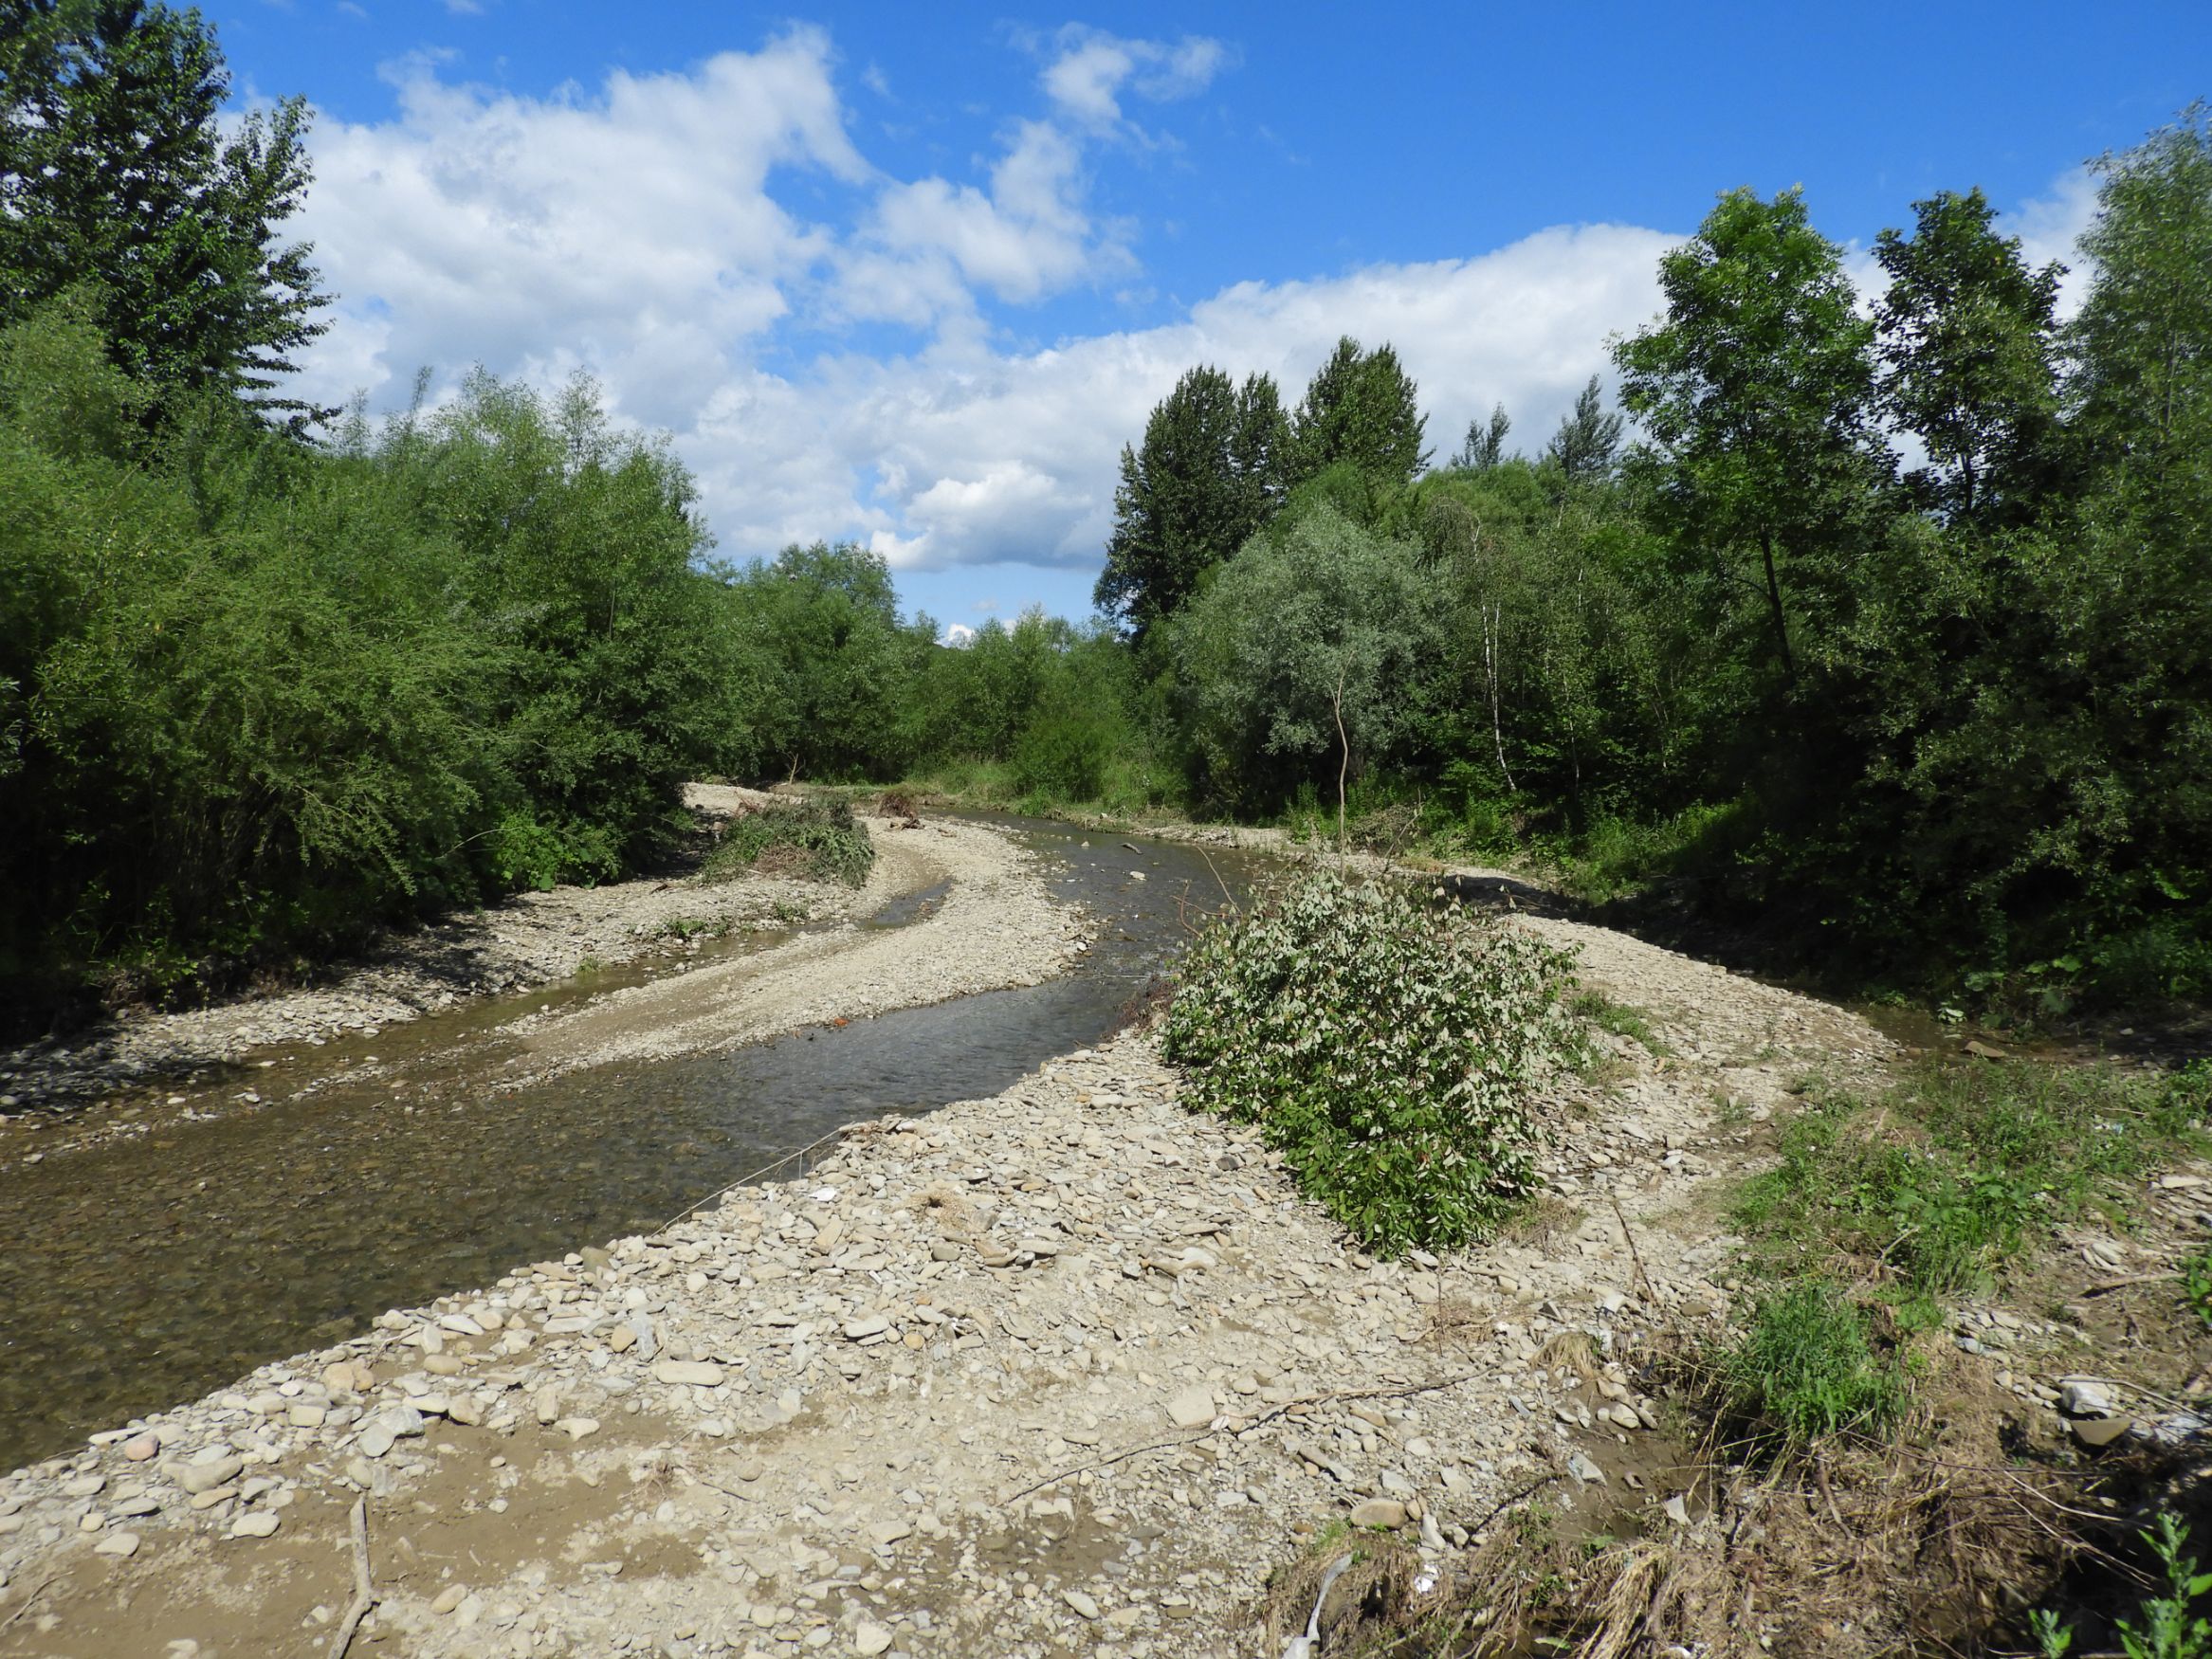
{"x":912,"y":275}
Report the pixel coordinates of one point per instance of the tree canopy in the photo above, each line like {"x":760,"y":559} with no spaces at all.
{"x":1208,"y":473}
{"x":116,"y":172}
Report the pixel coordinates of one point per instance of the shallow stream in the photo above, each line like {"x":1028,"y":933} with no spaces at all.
{"x":145,"y":1270}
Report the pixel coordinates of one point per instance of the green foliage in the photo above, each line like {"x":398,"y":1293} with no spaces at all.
{"x":2171,"y":1627}
{"x":1485,"y":444}
{"x":1209,"y":472}
{"x":117,"y":176}
{"x":1971,"y":346}
{"x":267,"y":697}
{"x":1957,"y":1169}
{"x":1301,"y":661}
{"x":1387,"y":1047}
{"x":2197,"y":1283}
{"x":1754,"y":392}
{"x":817,"y":838}
{"x":1362,"y":409}
{"x":1587,"y":441}
{"x":1621,"y":1019}
{"x":1806,"y":1366}
{"x":1066,"y":753}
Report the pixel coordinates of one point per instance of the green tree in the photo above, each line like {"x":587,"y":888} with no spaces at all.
{"x":1209,"y":473}
{"x":1969,"y":347}
{"x":2142,"y":343}
{"x":827,"y":617}
{"x":1484,"y":447}
{"x":1303,"y":660}
{"x":1588,"y":437}
{"x":115,"y":172}
{"x":1754,"y":390}
{"x":1361,"y":406}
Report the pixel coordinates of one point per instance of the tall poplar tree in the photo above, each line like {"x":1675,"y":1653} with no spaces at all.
{"x":1361,"y":406}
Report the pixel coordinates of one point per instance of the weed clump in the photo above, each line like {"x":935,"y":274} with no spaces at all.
{"x":816,"y":839}
{"x":1806,"y":1367}
{"x":1960,"y":1166}
{"x":1387,"y":1047}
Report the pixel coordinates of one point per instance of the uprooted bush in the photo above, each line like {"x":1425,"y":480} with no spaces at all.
{"x":1388,"y":1046}
{"x":816,"y":839}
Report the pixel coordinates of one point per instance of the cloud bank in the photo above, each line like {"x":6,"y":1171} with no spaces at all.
{"x":643,"y":232}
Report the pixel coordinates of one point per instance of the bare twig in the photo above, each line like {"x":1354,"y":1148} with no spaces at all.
{"x":364,"y":1592}
{"x":1345,"y":764}
{"x":36,"y":1591}
{"x":837,"y":1134}
{"x":2104,"y":1285}
{"x":1633,"y":1254}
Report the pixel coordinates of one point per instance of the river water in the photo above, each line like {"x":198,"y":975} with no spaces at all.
{"x":144,"y":1271}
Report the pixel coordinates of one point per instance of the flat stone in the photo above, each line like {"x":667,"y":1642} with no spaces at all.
{"x":578,"y":1428}
{"x":691,"y":1373}
{"x":870,"y":1638}
{"x":197,"y":1478}
{"x":1588,"y":1473}
{"x":2080,"y":1396}
{"x":890,"y":1532}
{"x":2099,"y":1432}
{"x":874,"y":1324}
{"x":1676,"y":1510}
{"x":450,"y":1598}
{"x":1191,"y":1409}
{"x":139,"y":1447}
{"x":118,"y":1544}
{"x":260,"y":1524}
{"x":1083,"y":1603}
{"x":1379,"y":1512}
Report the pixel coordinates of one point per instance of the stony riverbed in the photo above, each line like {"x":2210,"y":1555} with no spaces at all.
{"x":1067,"y":1370}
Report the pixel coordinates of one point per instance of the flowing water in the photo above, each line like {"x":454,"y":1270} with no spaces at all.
{"x":144,"y":1271}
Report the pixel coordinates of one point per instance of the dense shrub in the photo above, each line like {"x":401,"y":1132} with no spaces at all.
{"x":1388,"y":1047}
{"x":1065,"y":755}
{"x":817,"y":838}
{"x":257,"y":697}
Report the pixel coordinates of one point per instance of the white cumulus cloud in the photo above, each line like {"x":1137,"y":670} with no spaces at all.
{"x":642,"y":230}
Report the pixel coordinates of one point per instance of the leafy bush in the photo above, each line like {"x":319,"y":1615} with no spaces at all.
{"x":1064,"y":755}
{"x":2171,"y":1628}
{"x":818,"y":839}
{"x":1387,"y":1046}
{"x":1806,"y":1366}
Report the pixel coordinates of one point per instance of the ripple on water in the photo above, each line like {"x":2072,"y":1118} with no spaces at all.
{"x":142,"y":1272}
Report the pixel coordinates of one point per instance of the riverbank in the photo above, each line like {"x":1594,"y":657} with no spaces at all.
{"x":1064,"y":1369}
{"x":530,"y":940}
{"x":646,"y":969}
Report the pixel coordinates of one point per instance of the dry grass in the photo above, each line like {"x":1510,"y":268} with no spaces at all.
{"x":1935,"y":1543}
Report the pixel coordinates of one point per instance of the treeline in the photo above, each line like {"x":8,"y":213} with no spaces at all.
{"x":1885,"y":629}
{"x":269,"y":679}
{"x":1890,"y":634}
